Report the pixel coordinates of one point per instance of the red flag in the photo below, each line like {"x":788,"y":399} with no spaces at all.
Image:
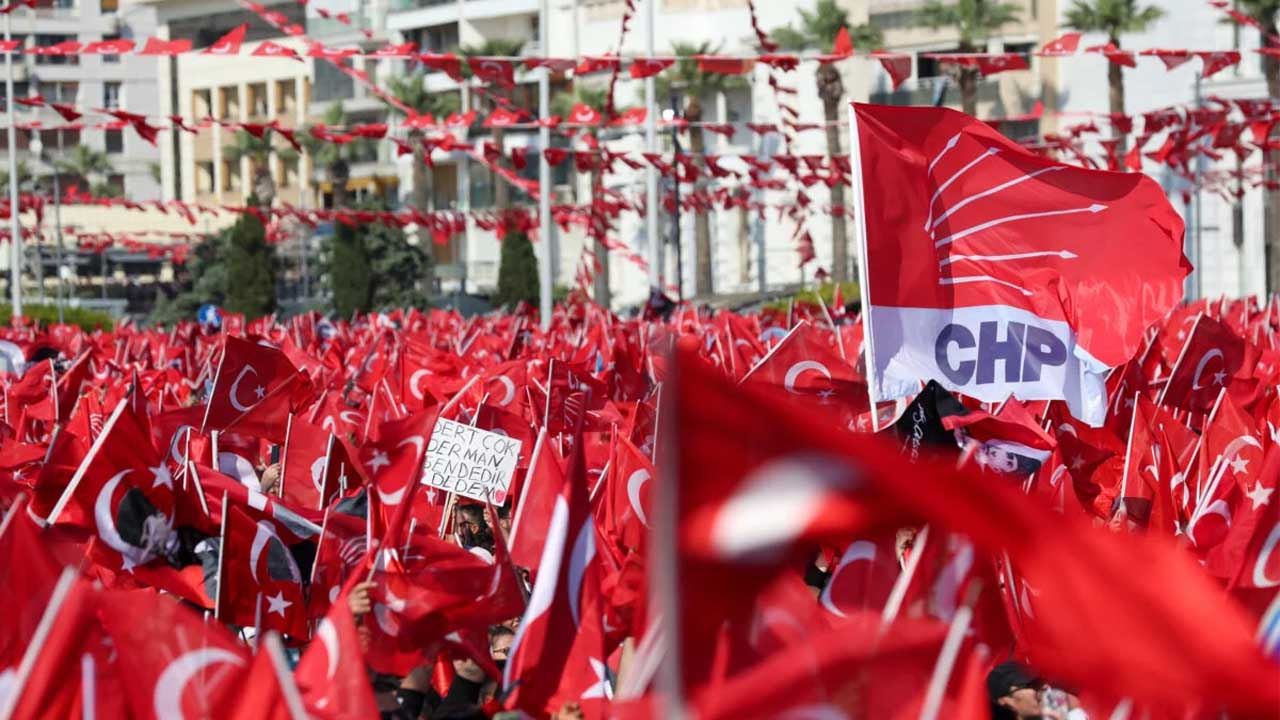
{"x":302,"y":464}
{"x":1065,"y":44}
{"x":331,"y":674}
{"x":173,"y":663}
{"x":1210,"y":360}
{"x":259,"y":582}
{"x":494,"y":70}
{"x":533,"y":508}
{"x":228,"y":44}
{"x":156,"y":46}
{"x":978,"y":280}
{"x":253,"y":391}
{"x":648,"y":67}
{"x":843,"y":45}
{"x":583,"y":114}
{"x":559,"y":652}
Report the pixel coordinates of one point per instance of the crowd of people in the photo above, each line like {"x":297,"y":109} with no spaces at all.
{"x":708,"y":515}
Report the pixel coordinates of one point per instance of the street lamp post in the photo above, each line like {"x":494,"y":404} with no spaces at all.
{"x":675,"y":189}
{"x":15,"y":227}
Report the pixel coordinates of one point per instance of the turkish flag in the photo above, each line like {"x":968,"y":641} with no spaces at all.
{"x":254,"y":390}
{"x":862,"y":577}
{"x":331,"y":674}
{"x":108,"y":47}
{"x":502,"y":117}
{"x":1065,"y":44}
{"x":302,"y":463}
{"x":583,"y":114}
{"x":537,"y":498}
{"x":1230,"y":463}
{"x":263,"y":693}
{"x":648,"y":67}
{"x":259,"y":582}
{"x":29,"y":573}
{"x":626,"y":496}
{"x":228,"y":44}
{"x":1211,"y":359}
{"x":807,"y":366}
{"x":989,"y":267}
{"x":1250,"y":554}
{"x":494,"y":70}
{"x":73,"y":673}
{"x":897,"y":65}
{"x":173,"y":663}
{"x":559,"y":651}
{"x":394,"y":461}
{"x":271,"y":49}
{"x":1218,"y":60}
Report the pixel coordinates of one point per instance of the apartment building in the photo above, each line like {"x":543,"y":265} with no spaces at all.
{"x":126,"y":82}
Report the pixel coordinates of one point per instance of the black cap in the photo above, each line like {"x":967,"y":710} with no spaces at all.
{"x":1007,"y":677}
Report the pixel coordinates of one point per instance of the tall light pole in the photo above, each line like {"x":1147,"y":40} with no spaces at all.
{"x":544,"y":171}
{"x":651,"y":145}
{"x":15,"y":227}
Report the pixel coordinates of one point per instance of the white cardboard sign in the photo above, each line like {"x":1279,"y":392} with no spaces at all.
{"x":471,"y":462}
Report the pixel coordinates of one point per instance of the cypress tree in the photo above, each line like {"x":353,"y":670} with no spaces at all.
{"x":349,"y":272}
{"x":251,"y":271}
{"x":517,"y":271}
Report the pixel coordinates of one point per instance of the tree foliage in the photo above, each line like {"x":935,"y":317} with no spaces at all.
{"x":401,"y":272}
{"x":818,"y":29}
{"x":349,"y":271}
{"x":206,"y":282}
{"x":250,"y":268}
{"x":1112,"y":17}
{"x":974,"y":20}
{"x":517,"y":271}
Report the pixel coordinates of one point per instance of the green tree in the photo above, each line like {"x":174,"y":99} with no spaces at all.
{"x":975,"y":21}
{"x":258,"y":150}
{"x":335,"y":158}
{"x":89,"y":167}
{"x":1112,"y":18}
{"x":350,"y":275}
{"x":24,"y":177}
{"x":495,"y":47}
{"x":817,"y":31}
{"x":696,"y":85}
{"x":250,"y":267}
{"x":517,"y":271}
{"x":1265,"y":11}
{"x":401,"y":270}
{"x":562,"y":104}
{"x":412,"y":92}
{"x":203,"y":279}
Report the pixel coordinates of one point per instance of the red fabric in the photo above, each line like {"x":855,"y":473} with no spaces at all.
{"x":228,"y":44}
{"x":331,"y":674}
{"x":254,"y":390}
{"x":259,"y":583}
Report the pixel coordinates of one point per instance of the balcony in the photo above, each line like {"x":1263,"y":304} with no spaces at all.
{"x":410,"y":14}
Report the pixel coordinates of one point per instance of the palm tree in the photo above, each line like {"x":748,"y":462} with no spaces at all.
{"x":975,"y":20}
{"x":561,"y":104}
{"x":1113,"y":18}
{"x":818,"y":30}
{"x":91,"y":167}
{"x":335,"y":158}
{"x":412,"y":93}
{"x":258,"y":150}
{"x":686,"y":78}
{"x":1265,"y":11}
{"x":495,"y":47}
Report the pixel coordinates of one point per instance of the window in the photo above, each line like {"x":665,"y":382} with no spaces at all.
{"x":204,"y":177}
{"x":201,"y":104}
{"x":1019,"y":48}
{"x":115,"y":141}
{"x":111,"y":57}
{"x":227,"y":167}
{"x":286,"y":98}
{"x":47,"y":40}
{"x":64,"y":92}
{"x":229,"y":103}
{"x":112,"y":93}
{"x":258,"y":100}
{"x":288,"y":172}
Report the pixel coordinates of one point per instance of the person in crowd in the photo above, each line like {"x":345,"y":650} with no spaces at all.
{"x":1017,"y":694}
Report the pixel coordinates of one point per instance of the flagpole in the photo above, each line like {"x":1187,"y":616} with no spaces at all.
{"x":946,"y":663}
{"x":864,"y":286}
{"x":38,"y":639}
{"x":15,"y":227}
{"x":292,"y":700}
{"x":544,"y":171}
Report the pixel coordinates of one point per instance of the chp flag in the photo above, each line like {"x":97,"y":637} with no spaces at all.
{"x":996,"y":271}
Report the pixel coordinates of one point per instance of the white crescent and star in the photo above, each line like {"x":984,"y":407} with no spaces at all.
{"x":328,"y":635}
{"x":234,"y":394}
{"x":1218,"y":378}
{"x":634,"y":484}
{"x":793,"y":373}
{"x":414,"y":387}
{"x":167,"y":699}
{"x":860,"y":551}
{"x":510,"y":388}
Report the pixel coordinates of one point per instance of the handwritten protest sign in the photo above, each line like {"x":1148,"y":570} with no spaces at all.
{"x":471,"y":462}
